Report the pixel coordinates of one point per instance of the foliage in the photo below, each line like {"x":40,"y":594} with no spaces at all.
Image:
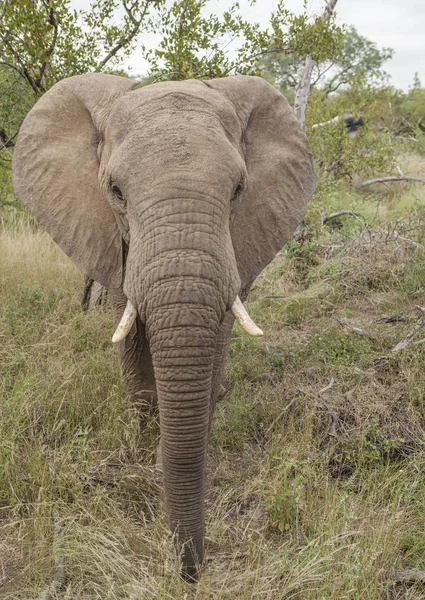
{"x":355,"y":58}
{"x":46,"y":40}
{"x":195,"y":41}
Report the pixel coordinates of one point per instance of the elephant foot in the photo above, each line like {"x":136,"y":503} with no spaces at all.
{"x":190,"y":573}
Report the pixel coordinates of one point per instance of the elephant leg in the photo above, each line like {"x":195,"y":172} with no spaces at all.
{"x":221,"y":352}
{"x":136,"y":360}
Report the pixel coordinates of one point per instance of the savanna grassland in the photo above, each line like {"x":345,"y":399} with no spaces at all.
{"x":317,"y":457}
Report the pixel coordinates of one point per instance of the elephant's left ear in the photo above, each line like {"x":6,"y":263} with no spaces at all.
{"x":281,"y":175}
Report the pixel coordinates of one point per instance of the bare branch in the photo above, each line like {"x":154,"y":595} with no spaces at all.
{"x":5,"y":141}
{"x":303,"y":89}
{"x":51,"y":17}
{"x":357,"y":330}
{"x":23,"y":71}
{"x":328,"y":387}
{"x":124,"y":41}
{"x":277,"y":419}
{"x":387,"y":179}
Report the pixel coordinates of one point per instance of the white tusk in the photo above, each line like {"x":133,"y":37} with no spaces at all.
{"x":126,"y":323}
{"x":244,"y":320}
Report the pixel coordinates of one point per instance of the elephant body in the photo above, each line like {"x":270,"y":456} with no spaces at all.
{"x":174,"y":196}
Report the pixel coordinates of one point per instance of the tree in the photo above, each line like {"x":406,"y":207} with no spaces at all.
{"x":195,"y":41}
{"x":45,"y":40}
{"x":358,"y":58}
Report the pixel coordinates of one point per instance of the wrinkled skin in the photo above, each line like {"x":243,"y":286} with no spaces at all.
{"x":174,"y":196}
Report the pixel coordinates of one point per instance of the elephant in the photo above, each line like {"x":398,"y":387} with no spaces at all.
{"x":174,"y":196}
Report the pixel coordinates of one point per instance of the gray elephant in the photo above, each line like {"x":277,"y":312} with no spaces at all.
{"x":174,"y":196}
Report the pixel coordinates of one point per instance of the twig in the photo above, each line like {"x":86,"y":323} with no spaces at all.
{"x":277,"y":419}
{"x":328,"y":387}
{"x":357,"y":330}
{"x":124,"y":41}
{"x":400,"y":177}
{"x":409,"y":337}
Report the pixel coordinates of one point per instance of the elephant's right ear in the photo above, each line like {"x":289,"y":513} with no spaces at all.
{"x":55,"y":172}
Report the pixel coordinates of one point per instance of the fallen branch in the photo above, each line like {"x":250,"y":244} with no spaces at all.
{"x":392,"y":319}
{"x":408,"y":340}
{"x":400,"y":177}
{"x":356,"y":330}
{"x":409,"y":138}
{"x":409,"y":337}
{"x":409,"y":575}
{"x":328,"y":387}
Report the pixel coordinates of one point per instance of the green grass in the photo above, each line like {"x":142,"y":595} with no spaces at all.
{"x":316,"y":487}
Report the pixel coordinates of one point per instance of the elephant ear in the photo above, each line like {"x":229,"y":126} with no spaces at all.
{"x":56,"y":166}
{"x":281,"y":176}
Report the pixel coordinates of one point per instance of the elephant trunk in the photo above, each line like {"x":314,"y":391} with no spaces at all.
{"x":182,"y":340}
{"x":183,"y":357}
{"x":182,"y":278}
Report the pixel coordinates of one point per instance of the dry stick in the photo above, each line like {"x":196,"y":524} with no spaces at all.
{"x":357,"y":330}
{"x":401,"y":177}
{"x":408,"y":340}
{"x":303,"y":89}
{"x":391,"y":319}
{"x":412,"y":575}
{"x":328,"y":387}
{"x":287,"y":407}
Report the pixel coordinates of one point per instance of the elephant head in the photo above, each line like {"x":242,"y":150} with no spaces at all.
{"x":179,"y":194}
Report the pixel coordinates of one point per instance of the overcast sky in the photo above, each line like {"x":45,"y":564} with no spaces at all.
{"x":397,"y":24}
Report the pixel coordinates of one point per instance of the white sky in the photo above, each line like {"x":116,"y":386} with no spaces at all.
{"x":398,"y":24}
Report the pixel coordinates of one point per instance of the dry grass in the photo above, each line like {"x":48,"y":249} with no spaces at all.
{"x":316,"y":486}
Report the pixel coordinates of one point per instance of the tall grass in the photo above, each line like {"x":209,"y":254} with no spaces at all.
{"x":316,"y":462}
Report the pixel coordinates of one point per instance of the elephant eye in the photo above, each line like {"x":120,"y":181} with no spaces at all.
{"x":117,"y":193}
{"x":238,"y":191}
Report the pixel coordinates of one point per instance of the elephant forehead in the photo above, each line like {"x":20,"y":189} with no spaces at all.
{"x":174,"y":103}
